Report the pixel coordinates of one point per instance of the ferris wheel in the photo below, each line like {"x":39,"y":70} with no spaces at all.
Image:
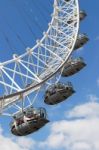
{"x":40,"y":68}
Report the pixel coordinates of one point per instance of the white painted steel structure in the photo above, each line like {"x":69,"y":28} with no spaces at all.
{"x":27,"y":73}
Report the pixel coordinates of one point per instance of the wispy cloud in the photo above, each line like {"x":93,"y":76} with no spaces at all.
{"x":98,"y":82}
{"x":97,"y":38}
{"x":87,"y":110}
{"x":93,"y":98}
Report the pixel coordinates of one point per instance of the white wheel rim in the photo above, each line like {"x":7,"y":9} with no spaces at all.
{"x":49,"y":54}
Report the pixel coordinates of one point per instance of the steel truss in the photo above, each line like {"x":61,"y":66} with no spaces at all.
{"x":26,"y":74}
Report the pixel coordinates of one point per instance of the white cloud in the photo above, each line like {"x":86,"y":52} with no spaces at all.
{"x":90,"y":109}
{"x":76,"y":133}
{"x":8,"y":143}
{"x":81,"y":146}
{"x":26,"y":143}
{"x":80,"y":131}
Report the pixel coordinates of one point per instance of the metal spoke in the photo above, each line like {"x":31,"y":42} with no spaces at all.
{"x":41,"y":64}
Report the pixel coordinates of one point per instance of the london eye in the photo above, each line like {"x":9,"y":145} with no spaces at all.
{"x":40,"y":68}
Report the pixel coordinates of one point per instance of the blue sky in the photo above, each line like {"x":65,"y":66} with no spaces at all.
{"x":81,"y":110}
